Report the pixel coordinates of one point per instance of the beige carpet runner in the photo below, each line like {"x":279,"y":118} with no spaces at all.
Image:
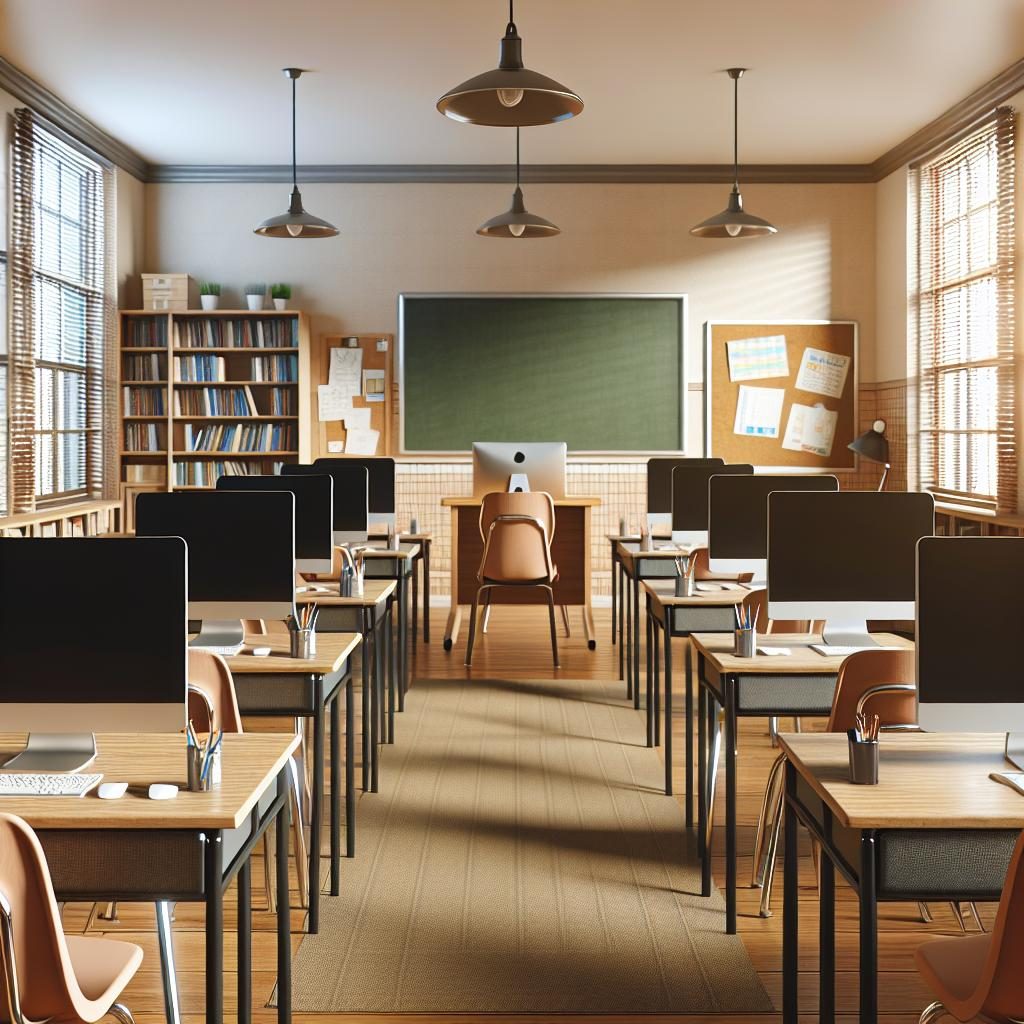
{"x":520,"y":858}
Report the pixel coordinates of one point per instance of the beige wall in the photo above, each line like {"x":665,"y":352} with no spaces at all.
{"x":891,"y":252}
{"x":130,"y":238}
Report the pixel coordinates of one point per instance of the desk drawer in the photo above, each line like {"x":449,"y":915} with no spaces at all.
{"x":691,"y":619}
{"x":944,"y":862}
{"x":778,"y":694}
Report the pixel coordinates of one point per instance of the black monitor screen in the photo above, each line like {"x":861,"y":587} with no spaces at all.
{"x":381,"y":479}
{"x":738,"y":510}
{"x":690,"y":493}
{"x":92,"y":620}
{"x":240,"y":546}
{"x":847,"y":546}
{"x":314,"y":511}
{"x":659,"y":480}
{"x":351,"y":490}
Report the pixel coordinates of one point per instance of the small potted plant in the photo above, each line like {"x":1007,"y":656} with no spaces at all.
{"x":280,"y":293}
{"x":254,"y":295}
{"x":209,"y":294}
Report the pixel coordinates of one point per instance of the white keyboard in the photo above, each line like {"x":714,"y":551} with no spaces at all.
{"x":835,"y":651}
{"x":225,"y":652}
{"x":25,"y":784}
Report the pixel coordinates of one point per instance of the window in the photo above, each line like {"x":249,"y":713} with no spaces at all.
{"x":964,"y":339}
{"x":56,"y":386}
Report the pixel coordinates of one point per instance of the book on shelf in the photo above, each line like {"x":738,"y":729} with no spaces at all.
{"x":283,"y":402}
{"x":207,"y":332}
{"x":282,"y":368}
{"x":143,"y":367}
{"x":206,"y":473}
{"x":240,"y":437}
{"x":142,"y":437}
{"x":214,"y":402}
{"x":144,"y":332}
{"x":144,"y":402}
{"x":189,"y":369}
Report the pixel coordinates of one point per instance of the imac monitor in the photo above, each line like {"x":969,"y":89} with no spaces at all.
{"x":845,"y":557}
{"x":115,"y":663}
{"x":241,"y":555}
{"x":659,"y":489}
{"x":381,"y":487}
{"x":507,"y":466}
{"x":690,"y":500}
{"x":314,"y":514}
{"x":968,"y":671}
{"x":738,"y":518}
{"x":351,"y":496}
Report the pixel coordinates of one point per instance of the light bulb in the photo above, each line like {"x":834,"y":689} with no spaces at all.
{"x":510,"y":97}
{"x":733,"y":229}
{"x":294,"y":230}
{"x":517,"y":229}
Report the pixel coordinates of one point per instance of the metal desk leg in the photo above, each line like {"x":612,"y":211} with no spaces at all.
{"x":827,"y":927}
{"x":336,"y":792}
{"x":657,"y":683}
{"x":710,"y":769}
{"x":730,"y":804}
{"x":403,"y":640}
{"x":380,"y":661}
{"x":451,"y":630}
{"x":627,"y":646}
{"x":214,"y":871}
{"x":350,"y":769}
{"x":426,"y":593}
{"x":622,"y":632}
{"x":867,"y":884}
{"x":168,"y":973}
{"x":415,"y":573}
{"x":636,"y":643}
{"x":284,"y":937}
{"x":389,"y":646}
{"x":790,"y":908}
{"x":688,"y":739}
{"x":615,"y":596}
{"x":364,"y":659}
{"x":702,"y":753}
{"x":244,"y":932}
{"x":375,"y":710}
{"x":317,"y":816}
{"x":669,"y":626}
{"x":650,"y":676}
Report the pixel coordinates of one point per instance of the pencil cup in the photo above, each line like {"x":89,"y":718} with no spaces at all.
{"x":303,"y":643}
{"x":646,"y":541}
{"x":864,"y":762}
{"x":345,"y":584}
{"x":197,"y":781}
{"x":357,"y":583}
{"x":684,"y":586}
{"x":623,"y":528}
{"x":392,"y":539}
{"x":744,"y":643}
{"x":414,"y":526}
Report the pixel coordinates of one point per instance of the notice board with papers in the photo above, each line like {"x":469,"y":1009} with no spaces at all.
{"x":781,"y":394}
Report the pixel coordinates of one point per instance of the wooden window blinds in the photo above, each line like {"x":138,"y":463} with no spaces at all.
{"x":59,"y":387}
{"x":966,"y":449}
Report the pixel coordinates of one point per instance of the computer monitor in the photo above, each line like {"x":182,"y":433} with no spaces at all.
{"x":845,"y":557}
{"x":351,"y":496}
{"x":510,"y":466}
{"x":738,"y":518}
{"x":690,"y":500}
{"x":968,"y":668}
{"x":659,"y":488}
{"x":382,"y":487}
{"x":241,"y":555}
{"x":314,"y":514}
{"x":114,"y":660}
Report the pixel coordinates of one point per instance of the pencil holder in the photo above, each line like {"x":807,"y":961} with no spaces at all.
{"x":357,"y":582}
{"x":622,"y":528}
{"x":303,"y":643}
{"x":744,"y":643}
{"x":646,"y":541}
{"x":392,"y":539}
{"x":684,"y":586}
{"x":414,"y":525}
{"x":345,"y":584}
{"x":864,"y":762}
{"x":197,"y":782}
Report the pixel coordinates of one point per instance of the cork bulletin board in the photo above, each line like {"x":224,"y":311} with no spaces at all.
{"x":781,"y":394}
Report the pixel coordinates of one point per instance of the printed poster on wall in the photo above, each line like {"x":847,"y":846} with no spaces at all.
{"x":823,"y":373}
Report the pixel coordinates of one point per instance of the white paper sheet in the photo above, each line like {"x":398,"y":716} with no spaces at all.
{"x":757,"y":358}
{"x":333,"y":402}
{"x":373,"y":385}
{"x":357,"y":419}
{"x":758,"y":411}
{"x":810,"y":429}
{"x":361,"y":442}
{"x":823,"y":373}
{"x":346,"y":367}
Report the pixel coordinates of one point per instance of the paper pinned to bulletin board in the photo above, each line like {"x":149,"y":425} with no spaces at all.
{"x":781,"y":394}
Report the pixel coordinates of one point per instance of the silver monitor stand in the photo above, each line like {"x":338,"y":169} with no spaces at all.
{"x":1014,"y":749}
{"x":219,"y":633}
{"x":518,"y":482}
{"x":54,"y":752}
{"x":847,"y":633}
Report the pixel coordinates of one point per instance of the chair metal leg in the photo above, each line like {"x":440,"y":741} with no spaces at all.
{"x":716,"y":753}
{"x":551,"y":617}
{"x":769,"y":801}
{"x":932,"y":1013}
{"x":565,"y":620}
{"x":926,"y":914}
{"x":959,"y":915}
{"x":472,"y":628}
{"x":798,"y":725}
{"x":487,"y":613}
{"x":773,"y":851}
{"x":773,"y":730}
{"x":299,"y":838}
{"x":122,"y":1013}
{"x":168,"y":974}
{"x":973,"y":908}
{"x":269,"y":878}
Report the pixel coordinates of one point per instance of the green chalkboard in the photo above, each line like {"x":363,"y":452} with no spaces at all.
{"x":604,"y":373}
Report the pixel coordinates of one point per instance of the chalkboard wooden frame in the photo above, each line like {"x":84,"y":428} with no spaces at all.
{"x":678,"y":297}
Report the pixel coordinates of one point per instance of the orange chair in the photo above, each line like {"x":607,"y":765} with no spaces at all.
{"x":47,"y":975}
{"x":980,"y":975}
{"x":517,"y":529}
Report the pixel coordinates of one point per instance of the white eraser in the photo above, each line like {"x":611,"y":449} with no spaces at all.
{"x":162,"y":791}
{"x":260,"y":652}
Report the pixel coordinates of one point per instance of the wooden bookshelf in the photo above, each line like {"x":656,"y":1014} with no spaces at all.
{"x":205,"y":390}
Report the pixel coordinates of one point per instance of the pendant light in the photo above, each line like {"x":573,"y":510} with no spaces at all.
{"x":517,"y":221}
{"x":510,"y":95}
{"x":296,"y":223}
{"x":734,"y":221}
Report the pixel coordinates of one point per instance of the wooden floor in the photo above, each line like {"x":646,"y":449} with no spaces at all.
{"x":516,"y":647}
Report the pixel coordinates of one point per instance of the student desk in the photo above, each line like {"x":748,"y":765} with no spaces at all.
{"x":800,"y":683}
{"x":706,"y":611}
{"x":383,"y":564}
{"x":421,"y":566}
{"x":368,"y":614}
{"x":280,"y":685}
{"x":183,"y":850}
{"x":570,"y":552}
{"x":935,"y":827}
{"x":615,"y":539}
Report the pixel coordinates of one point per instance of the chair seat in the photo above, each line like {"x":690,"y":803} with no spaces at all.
{"x":952,"y":969}
{"x":103,"y":967}
{"x":543,"y":582}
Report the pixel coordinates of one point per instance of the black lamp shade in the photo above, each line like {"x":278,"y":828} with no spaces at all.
{"x":518,"y":222}
{"x":872,"y":444}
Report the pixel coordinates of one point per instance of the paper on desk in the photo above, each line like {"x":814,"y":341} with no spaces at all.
{"x":757,"y":358}
{"x":333,"y":402}
{"x":810,"y":429}
{"x":774,"y":652}
{"x":344,"y":373}
{"x":824,"y":373}
{"x":758,"y":411}
{"x":357,"y":419}
{"x":361,"y":442}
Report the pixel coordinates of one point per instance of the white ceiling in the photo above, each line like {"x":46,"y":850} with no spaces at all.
{"x":198,"y":81}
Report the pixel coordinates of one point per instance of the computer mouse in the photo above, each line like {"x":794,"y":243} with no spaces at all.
{"x":260,"y":652}
{"x":162,"y":791}
{"x":112,"y":790}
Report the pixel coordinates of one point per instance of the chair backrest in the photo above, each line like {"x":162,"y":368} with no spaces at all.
{"x":517,"y":528}
{"x":862,"y":671}
{"x":211,"y":689}
{"x":702,"y":569}
{"x":1001,"y":987}
{"x":757,"y":601}
{"x":29,"y":918}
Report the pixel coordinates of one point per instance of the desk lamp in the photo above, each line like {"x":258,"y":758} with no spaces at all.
{"x":873,"y":445}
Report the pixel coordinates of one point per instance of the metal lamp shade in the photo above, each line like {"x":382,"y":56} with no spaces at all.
{"x":873,"y":445}
{"x":296,"y":223}
{"x":733,"y":222}
{"x":518,"y":222}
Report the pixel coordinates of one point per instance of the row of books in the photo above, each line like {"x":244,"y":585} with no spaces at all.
{"x":215,"y":402}
{"x":146,"y":367}
{"x":144,"y":332}
{"x":200,"y":369}
{"x":205,"y":474}
{"x":240,"y":437}
{"x":284,"y":368}
{"x":216,"y":333}
{"x":142,"y":437}
{"x":144,"y":402}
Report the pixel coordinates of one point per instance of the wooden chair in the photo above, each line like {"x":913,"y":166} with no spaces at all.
{"x":47,"y":975}
{"x":517,"y":529}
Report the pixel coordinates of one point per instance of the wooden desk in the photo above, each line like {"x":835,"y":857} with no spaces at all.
{"x":398,"y":565}
{"x":368,"y":614}
{"x":421,"y":561}
{"x":615,"y":539}
{"x":935,"y":827}
{"x":183,"y":850}
{"x":570,"y":552}
{"x":280,"y":685}
{"x":800,"y":683}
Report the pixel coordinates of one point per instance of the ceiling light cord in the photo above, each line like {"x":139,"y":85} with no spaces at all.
{"x":295,"y":176}
{"x":511,"y":16}
{"x":517,"y":156}
{"x":736,"y":134}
